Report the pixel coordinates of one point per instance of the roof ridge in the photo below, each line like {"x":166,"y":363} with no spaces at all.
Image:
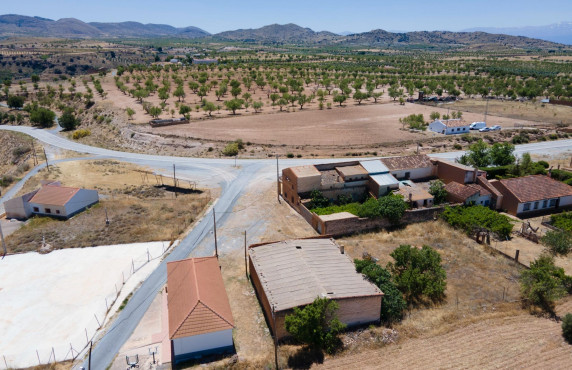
{"x":196,"y":283}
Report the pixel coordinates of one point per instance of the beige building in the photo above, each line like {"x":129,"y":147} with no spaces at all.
{"x":293,"y":273}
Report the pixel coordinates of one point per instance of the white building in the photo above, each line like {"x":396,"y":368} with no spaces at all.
{"x":449,"y":127}
{"x":51,"y":200}
{"x":200,"y":318}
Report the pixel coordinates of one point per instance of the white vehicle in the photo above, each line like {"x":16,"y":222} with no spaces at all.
{"x":485,"y":129}
{"x":495,"y":128}
{"x":477,"y":125}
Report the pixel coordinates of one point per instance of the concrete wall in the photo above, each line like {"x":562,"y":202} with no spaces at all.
{"x":17,"y":208}
{"x":48,"y":210}
{"x":415,"y":173}
{"x":202,"y":343}
{"x":82,"y":199}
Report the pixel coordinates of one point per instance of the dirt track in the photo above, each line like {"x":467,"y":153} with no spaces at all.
{"x":351,"y":124}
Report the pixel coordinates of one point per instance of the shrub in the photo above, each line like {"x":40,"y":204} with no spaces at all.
{"x":543,"y":284}
{"x":316,"y":324}
{"x":418,"y":273}
{"x":318,"y":199}
{"x":393,"y":303}
{"x":230,"y":150}
{"x":353,"y":208}
{"x":42,"y":117}
{"x":393,"y":207}
{"x":81,"y":134}
{"x":562,"y":221}
{"x":15,"y":101}
{"x":567,"y":327}
{"x":21,"y":150}
{"x":557,"y":242}
{"x":6,"y":180}
{"x":68,"y":121}
{"x":473,"y":217}
{"x":437,"y":190}
{"x":290,"y":155}
{"x":414,"y":121}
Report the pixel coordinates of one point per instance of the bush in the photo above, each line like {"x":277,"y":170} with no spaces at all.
{"x":68,"y":121}
{"x":562,"y":221}
{"x":42,"y":117}
{"x":353,"y":208}
{"x":437,"y":190}
{"x":557,"y":242}
{"x":414,"y":121}
{"x":6,"y":180}
{"x":81,"y":134}
{"x":543,"y":284}
{"x":21,"y":150}
{"x":230,"y":150}
{"x":393,"y":303}
{"x":15,"y":101}
{"x":391,"y":206}
{"x":474,"y":217}
{"x":290,"y":155}
{"x":561,"y":175}
{"x":418,"y":273}
{"x":319,"y":200}
{"x":316,"y":325}
{"x":567,"y":327}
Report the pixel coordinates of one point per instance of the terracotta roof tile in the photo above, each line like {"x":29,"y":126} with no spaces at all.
{"x":483,"y":191}
{"x":407,"y":162}
{"x":460,"y":191}
{"x":197,"y":299}
{"x":54,"y":195}
{"x":536,"y":187}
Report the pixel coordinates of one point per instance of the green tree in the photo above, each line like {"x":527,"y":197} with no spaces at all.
{"x":359,"y":96}
{"x":393,"y":305}
{"x":418,"y":273}
{"x":393,"y":207}
{"x":231,"y":149}
{"x":340,"y":98}
{"x":209,"y":107}
{"x":302,"y":99}
{"x":15,"y":101}
{"x":477,"y":155}
{"x":130,"y":112}
{"x":543,"y":283}
{"x":318,"y":199}
{"x":434,"y":116}
{"x":502,"y":154}
{"x":234,"y":104}
{"x":179,"y":92}
{"x":567,"y":327}
{"x":185,"y":110}
{"x":68,"y":121}
{"x":35,"y":78}
{"x":316,"y":325}
{"x":155,"y":111}
{"x":558,"y":243}
{"x":42,"y":117}
{"x":257,"y":105}
{"x":281,"y":103}
{"x":437,"y":190}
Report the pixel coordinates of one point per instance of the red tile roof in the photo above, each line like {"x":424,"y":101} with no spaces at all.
{"x":460,"y":191}
{"x":54,"y":195}
{"x":536,"y":187}
{"x":407,"y":162}
{"x":482,"y":190}
{"x":197,"y":299}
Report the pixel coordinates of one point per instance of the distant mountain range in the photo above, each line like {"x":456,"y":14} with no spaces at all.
{"x":19,"y":25}
{"x":558,"y":32}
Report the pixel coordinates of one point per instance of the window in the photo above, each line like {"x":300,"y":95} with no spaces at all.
{"x":526,"y":207}
{"x":36,"y":209}
{"x":57,"y":211}
{"x":544,"y":203}
{"x":535,"y":205}
{"x":48,"y":210}
{"x":407,"y":175}
{"x":552,"y":202}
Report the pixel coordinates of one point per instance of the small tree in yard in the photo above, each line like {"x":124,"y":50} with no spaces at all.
{"x":316,"y":325}
{"x":393,"y":207}
{"x":544,"y":283}
{"x":418,"y":273}
{"x":318,"y":199}
{"x":567,"y":327}
{"x":393,"y":304}
{"x":557,"y":242}
{"x":437,"y":190}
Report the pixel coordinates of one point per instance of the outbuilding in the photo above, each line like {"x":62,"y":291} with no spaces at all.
{"x":200,"y":318}
{"x":449,"y":127}
{"x":293,"y":273}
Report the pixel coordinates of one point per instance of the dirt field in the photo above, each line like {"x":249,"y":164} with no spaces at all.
{"x":352,"y":124}
{"x":16,"y":157}
{"x":138,"y":210}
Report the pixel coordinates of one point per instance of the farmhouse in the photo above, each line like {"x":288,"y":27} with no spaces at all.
{"x":200,"y":319}
{"x":204,"y":61}
{"x":468,"y":194}
{"x":51,"y":199}
{"x":449,"y":127}
{"x":293,"y":273}
{"x":535,"y":194}
{"x":412,"y":167}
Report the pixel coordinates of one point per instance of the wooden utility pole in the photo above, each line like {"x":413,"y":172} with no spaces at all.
{"x":89,"y":361}
{"x":35,"y":156}
{"x":245,"y":263}
{"x":277,"y":180}
{"x":4,"y":242}
{"x":214,"y":226}
{"x":47,"y":164}
{"x":174,"y":181}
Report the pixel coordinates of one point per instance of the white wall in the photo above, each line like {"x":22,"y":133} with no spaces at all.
{"x":566,"y":201}
{"x":202,"y":342}
{"x":415,"y":173}
{"x":81,"y":199}
{"x":437,"y":126}
{"x":461,"y":130}
{"x":17,"y":208}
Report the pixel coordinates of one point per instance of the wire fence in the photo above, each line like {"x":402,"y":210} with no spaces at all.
{"x":77,"y":346}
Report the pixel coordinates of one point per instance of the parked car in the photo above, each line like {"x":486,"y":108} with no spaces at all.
{"x":495,"y":128}
{"x":477,"y":125}
{"x":485,"y":129}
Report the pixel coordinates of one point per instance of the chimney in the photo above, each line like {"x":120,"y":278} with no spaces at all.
{"x":342,"y":249}
{"x":475,"y":174}
{"x":550,"y":172}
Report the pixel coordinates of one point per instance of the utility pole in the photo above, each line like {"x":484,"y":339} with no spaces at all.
{"x":47,"y":164}
{"x":275,"y":336}
{"x":35,"y":156}
{"x":6,"y":250}
{"x":89,"y":361}
{"x":106,"y":218}
{"x":214,"y":226}
{"x":245,"y":263}
{"x":174,"y":181}
{"x":277,"y":180}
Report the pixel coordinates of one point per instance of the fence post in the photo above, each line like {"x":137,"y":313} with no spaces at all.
{"x":96,"y":319}
{"x":54,"y":353}
{"x":516,"y":255}
{"x":86,"y":337}
{"x":5,"y":362}
{"x":148,"y":256}
{"x":37,"y":354}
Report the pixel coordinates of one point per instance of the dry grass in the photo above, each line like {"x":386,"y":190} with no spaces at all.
{"x":16,"y":156}
{"x":138,"y":210}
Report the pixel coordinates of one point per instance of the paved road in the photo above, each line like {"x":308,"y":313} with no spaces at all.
{"x":232,"y":181}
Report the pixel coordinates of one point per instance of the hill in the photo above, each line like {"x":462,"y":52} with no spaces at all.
{"x":558,"y":32}
{"x":20,"y":25}
{"x":287,"y":33}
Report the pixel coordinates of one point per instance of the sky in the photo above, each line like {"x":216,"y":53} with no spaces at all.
{"x":333,"y":15}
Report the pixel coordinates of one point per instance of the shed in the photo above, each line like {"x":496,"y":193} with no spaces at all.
{"x":293,"y":273}
{"x":449,"y":127}
{"x":200,"y":318}
{"x":382,"y":184}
